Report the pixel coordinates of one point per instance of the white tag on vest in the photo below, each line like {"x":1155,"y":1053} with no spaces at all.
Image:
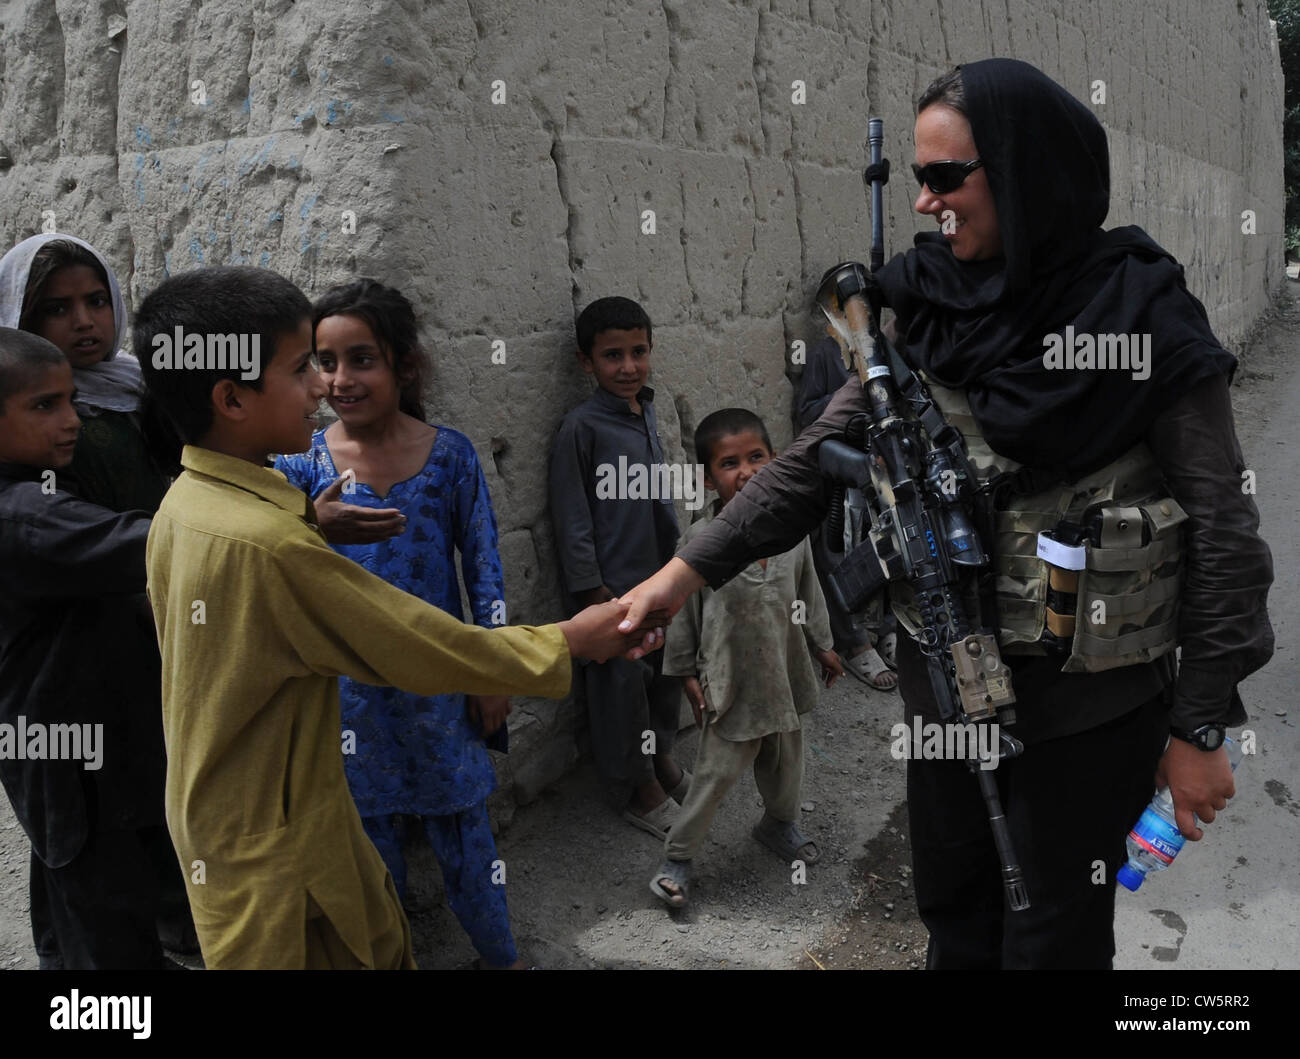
{"x":1062,"y":556}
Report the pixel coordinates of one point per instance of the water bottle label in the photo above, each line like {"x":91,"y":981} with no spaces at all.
{"x":1157,"y":836}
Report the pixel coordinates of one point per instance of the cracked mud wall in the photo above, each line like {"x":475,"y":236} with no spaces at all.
{"x":500,"y":220}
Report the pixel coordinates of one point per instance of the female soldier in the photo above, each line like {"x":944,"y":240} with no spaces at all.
{"x":1016,"y":171}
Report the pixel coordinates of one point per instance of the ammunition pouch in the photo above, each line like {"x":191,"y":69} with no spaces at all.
{"x":1126,"y":589}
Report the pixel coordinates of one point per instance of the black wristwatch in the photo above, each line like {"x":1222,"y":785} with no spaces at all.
{"x":1207,"y":737}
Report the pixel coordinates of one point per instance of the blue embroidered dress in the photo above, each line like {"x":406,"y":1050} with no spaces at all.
{"x":413,"y":754}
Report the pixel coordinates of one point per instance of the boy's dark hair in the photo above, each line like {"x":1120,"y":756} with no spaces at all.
{"x":54,"y":255}
{"x":947,"y":90}
{"x":391,"y":319}
{"x":610,"y":314}
{"x":722,"y":424}
{"x":23,"y":356}
{"x":227,"y":299}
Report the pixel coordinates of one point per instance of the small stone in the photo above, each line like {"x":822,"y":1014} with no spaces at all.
{"x":1280,"y":713}
{"x":808,"y":807}
{"x":889,"y":906}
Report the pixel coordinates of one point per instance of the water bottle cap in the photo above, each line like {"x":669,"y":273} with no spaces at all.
{"x":1129,"y":877}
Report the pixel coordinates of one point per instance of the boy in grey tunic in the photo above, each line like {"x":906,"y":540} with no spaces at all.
{"x":746,"y":652}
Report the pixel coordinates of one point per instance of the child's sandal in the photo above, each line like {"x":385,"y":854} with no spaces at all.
{"x":676,"y":872}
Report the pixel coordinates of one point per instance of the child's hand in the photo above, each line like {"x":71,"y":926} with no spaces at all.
{"x":352,"y":524}
{"x":593,"y":633}
{"x":656,"y":599}
{"x":695,"y":694}
{"x":832,"y":669}
{"x":487,"y":712}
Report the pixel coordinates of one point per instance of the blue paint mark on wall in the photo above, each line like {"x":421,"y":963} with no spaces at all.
{"x":142,"y":136}
{"x":249,"y":163}
{"x":324,"y":77}
{"x":196,"y":249}
{"x":308,"y":206}
{"x":306,"y":245}
{"x":276,"y":215}
{"x":298,"y":119}
{"x":248,"y":102}
{"x":396,"y":119}
{"x":388,"y":60}
{"x":266,"y":259}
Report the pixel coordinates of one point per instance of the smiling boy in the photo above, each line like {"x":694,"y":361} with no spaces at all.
{"x":747,"y":654}
{"x":607,"y":544}
{"x":257,"y":616}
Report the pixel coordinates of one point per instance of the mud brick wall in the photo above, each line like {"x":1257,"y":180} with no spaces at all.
{"x":494,"y":159}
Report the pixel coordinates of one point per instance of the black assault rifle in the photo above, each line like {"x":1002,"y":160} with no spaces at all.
{"x":913,"y":469}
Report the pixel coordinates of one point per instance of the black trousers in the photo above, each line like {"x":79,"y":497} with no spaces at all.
{"x":1069,"y":803}
{"x":626,"y":699}
{"x":98,"y":912}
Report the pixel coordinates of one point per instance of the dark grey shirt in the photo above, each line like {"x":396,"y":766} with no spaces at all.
{"x":606,"y":531}
{"x":1224,"y":631}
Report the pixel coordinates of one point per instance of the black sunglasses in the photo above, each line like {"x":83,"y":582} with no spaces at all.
{"x":943,"y":177}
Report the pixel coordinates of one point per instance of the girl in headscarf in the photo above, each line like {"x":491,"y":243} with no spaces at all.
{"x":1016,"y":173}
{"x":61,"y":288}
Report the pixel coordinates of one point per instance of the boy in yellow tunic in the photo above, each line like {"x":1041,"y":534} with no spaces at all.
{"x":257,"y":618}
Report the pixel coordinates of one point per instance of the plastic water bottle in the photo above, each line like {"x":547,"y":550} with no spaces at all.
{"x":1155,"y":839}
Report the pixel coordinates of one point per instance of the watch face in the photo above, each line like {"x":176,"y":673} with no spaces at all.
{"x":1213,"y":737}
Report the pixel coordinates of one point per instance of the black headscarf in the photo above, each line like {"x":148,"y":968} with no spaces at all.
{"x":981,"y":325}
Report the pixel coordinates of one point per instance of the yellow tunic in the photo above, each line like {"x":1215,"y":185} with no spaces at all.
{"x":257,"y":616}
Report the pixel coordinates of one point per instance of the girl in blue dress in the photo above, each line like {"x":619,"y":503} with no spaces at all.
{"x":401,"y":497}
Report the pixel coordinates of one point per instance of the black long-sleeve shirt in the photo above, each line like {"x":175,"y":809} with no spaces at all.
{"x":77,"y":646}
{"x":1224,"y":631}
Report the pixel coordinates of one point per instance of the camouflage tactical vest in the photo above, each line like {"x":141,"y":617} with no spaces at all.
{"x":1127,"y":609}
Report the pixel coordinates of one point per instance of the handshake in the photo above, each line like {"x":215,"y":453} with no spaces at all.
{"x":632,"y":625}
{"x":596,"y":632}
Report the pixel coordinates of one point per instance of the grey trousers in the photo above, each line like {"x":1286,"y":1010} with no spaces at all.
{"x":778,"y":771}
